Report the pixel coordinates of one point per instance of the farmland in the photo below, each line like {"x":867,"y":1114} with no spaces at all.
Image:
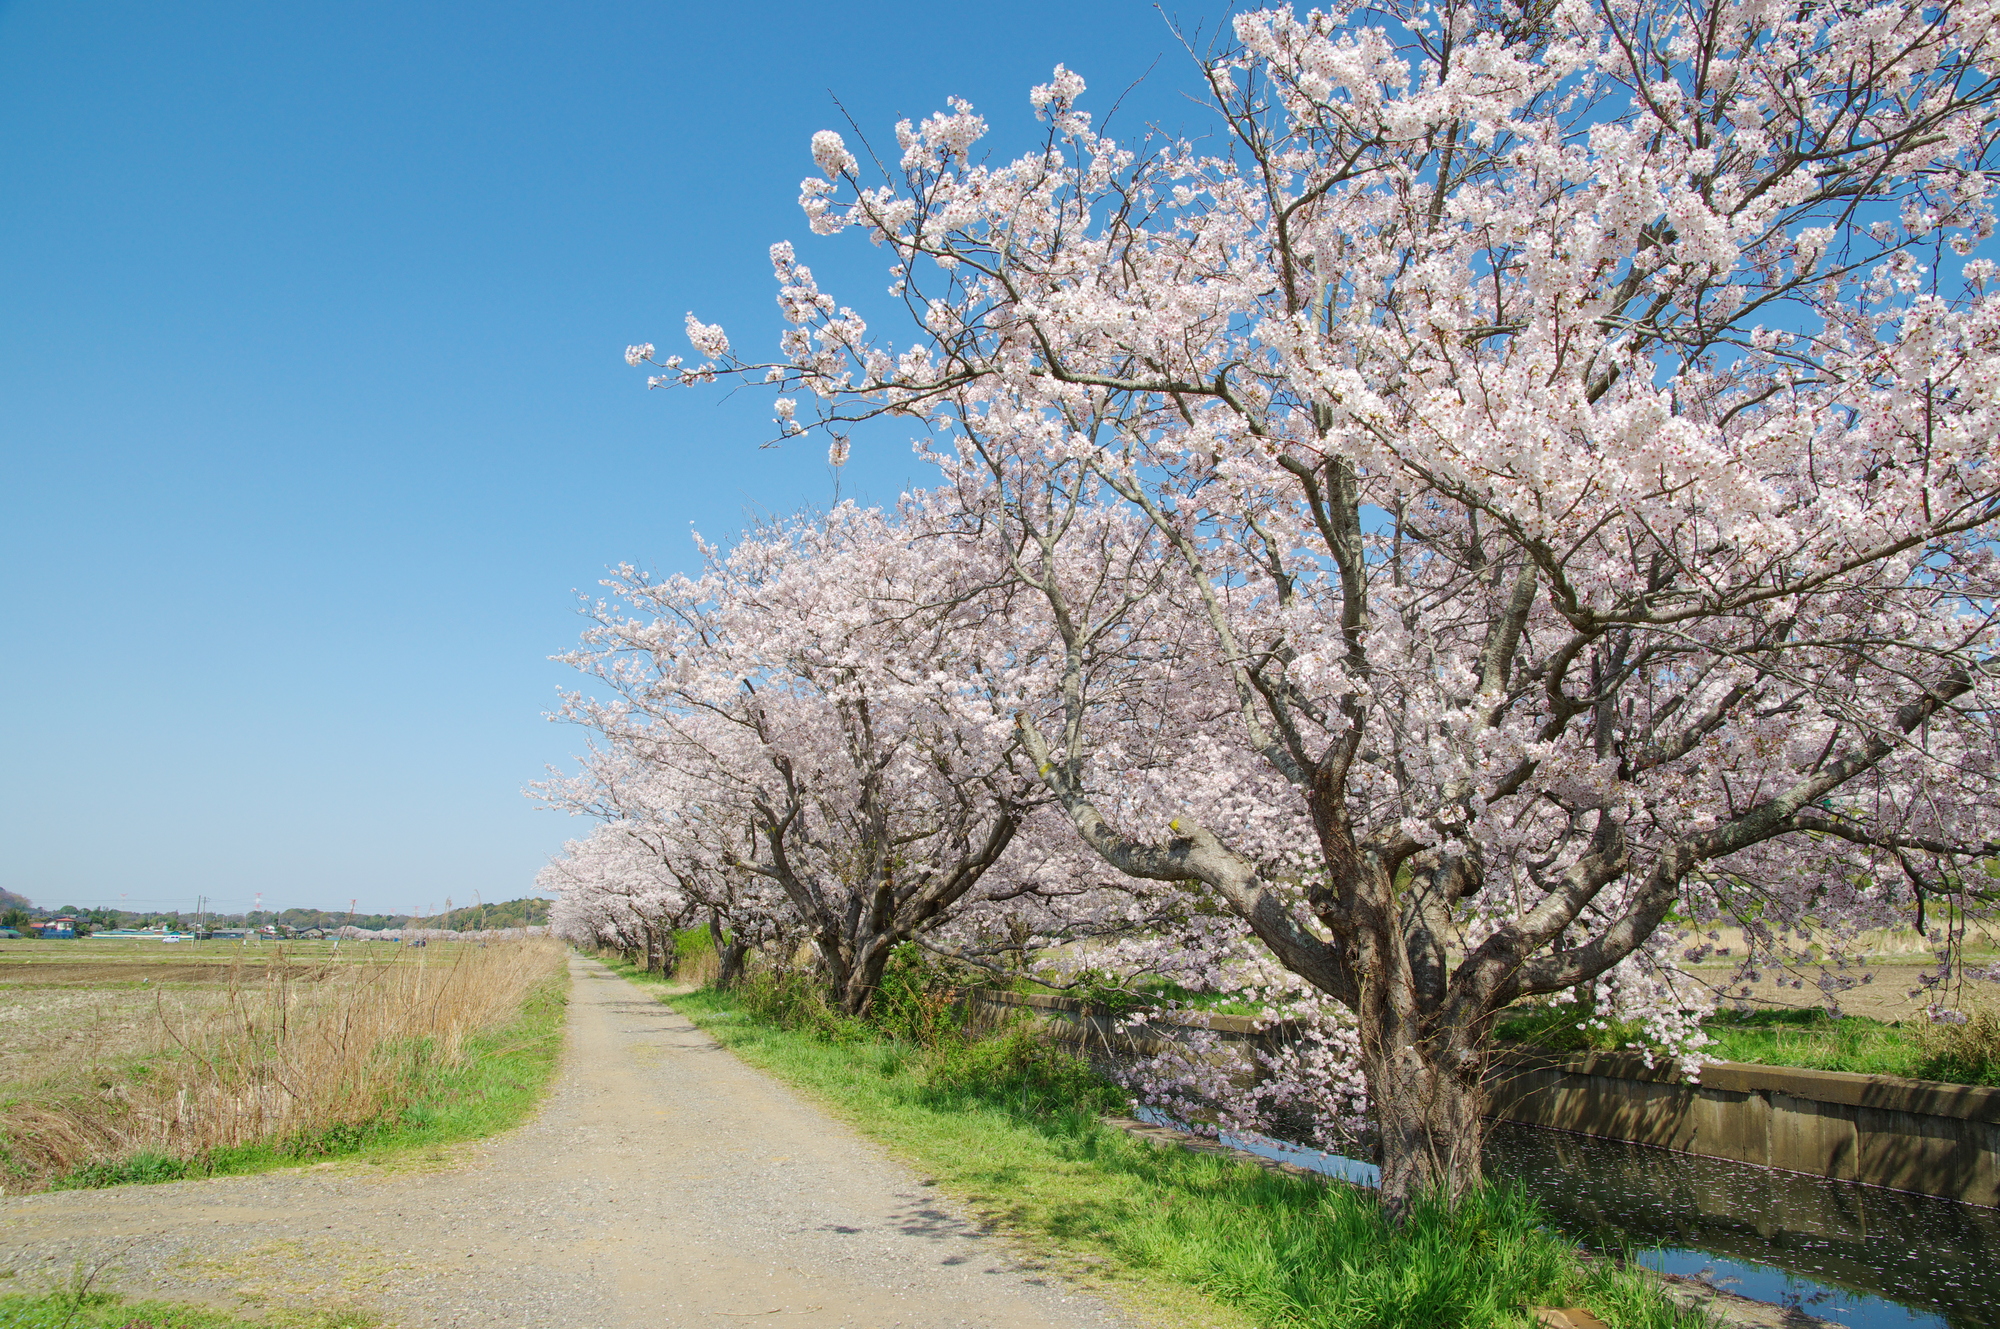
{"x":208,"y":1055}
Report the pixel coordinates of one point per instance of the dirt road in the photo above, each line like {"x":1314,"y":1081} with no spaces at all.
{"x":664,"y":1184}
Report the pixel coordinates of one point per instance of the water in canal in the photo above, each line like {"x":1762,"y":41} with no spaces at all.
{"x":1859,"y":1256}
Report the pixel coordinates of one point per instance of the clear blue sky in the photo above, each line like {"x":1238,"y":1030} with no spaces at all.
{"x":312,"y":409}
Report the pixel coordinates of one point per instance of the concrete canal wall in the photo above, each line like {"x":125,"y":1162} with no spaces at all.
{"x":1908,"y":1135}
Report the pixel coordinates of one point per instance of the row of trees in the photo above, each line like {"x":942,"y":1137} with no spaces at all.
{"x":405,"y":936}
{"x":1514,"y":498}
{"x":505,"y":915}
{"x":25,"y":914}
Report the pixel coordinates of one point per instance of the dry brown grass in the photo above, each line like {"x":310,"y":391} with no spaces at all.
{"x":44,"y":1029}
{"x":691,"y":971}
{"x":699,"y":970}
{"x":263,"y":1056}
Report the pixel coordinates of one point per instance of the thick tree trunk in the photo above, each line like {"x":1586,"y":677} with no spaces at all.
{"x":864,"y":975}
{"x":654,"y":963}
{"x":729,"y":955}
{"x":1423,"y":1077}
{"x":1428,"y":1124}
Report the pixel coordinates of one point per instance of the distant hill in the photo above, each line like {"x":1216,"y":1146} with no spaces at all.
{"x":9,"y":900}
{"x":506,"y":914}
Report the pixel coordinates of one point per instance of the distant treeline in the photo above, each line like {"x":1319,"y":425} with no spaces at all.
{"x":504,"y":914}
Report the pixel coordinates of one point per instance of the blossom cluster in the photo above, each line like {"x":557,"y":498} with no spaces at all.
{"x":1522,"y":505}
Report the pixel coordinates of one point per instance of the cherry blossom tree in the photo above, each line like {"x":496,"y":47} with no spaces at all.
{"x":613,"y":889}
{"x":1564,"y":432}
{"x":673,"y":820}
{"x":815,"y":686}
{"x":743,"y":704}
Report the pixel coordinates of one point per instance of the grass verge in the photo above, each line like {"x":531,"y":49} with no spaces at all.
{"x":1809,"y":1039}
{"x":1967,"y":1053}
{"x":1013,"y":1127}
{"x":106,"y":1310}
{"x":491,"y":1083}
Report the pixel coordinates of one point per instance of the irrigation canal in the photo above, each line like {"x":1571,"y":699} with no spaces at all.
{"x":1860,"y":1256}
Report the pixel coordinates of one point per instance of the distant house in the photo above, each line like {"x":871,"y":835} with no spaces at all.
{"x":56,"y":928}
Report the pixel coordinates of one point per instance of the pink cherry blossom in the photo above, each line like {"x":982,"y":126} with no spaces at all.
{"x":1517,"y":499}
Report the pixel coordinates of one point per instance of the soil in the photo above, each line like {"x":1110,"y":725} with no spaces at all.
{"x":1886,"y":995}
{"x":48,"y":1033}
{"x":663,"y":1184}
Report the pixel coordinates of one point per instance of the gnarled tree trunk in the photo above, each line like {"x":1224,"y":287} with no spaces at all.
{"x":1428,"y":1124}
{"x":864,"y":975}
{"x":730,"y":954}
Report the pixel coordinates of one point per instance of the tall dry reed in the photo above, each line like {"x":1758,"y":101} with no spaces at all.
{"x":280,"y":1052}
{"x":698,"y":969}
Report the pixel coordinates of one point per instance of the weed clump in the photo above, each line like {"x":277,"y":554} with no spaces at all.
{"x":1963,"y":1051}
{"x":1564,"y":1026}
{"x":1018,"y":1068}
{"x":104,"y":1310}
{"x":919,"y":1014}
{"x":797,"y":1001}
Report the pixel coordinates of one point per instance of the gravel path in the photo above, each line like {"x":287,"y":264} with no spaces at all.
{"x":664,"y":1184}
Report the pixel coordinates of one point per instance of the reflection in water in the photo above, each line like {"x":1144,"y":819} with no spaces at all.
{"x":1857,"y":1255}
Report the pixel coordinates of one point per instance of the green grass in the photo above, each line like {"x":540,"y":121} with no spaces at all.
{"x":497,"y":1080}
{"x":104,"y":1310}
{"x":1966,"y":1053}
{"x":1013,"y":1127}
{"x":1813,"y":1040}
{"x":1809,"y":1039}
{"x":82,"y":1304}
{"x":1116,"y":996}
